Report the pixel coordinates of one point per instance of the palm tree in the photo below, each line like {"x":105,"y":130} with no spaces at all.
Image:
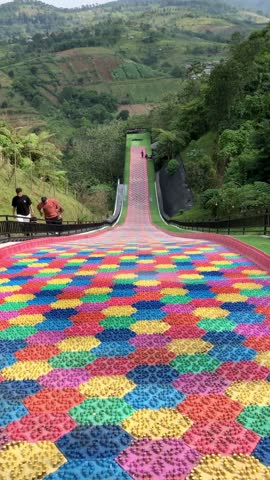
{"x":44,"y":155}
{"x":171,"y":142}
{"x":18,"y":144}
{"x":11,"y":146}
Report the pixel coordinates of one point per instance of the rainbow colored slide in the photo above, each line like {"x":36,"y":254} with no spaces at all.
{"x":134,"y":354}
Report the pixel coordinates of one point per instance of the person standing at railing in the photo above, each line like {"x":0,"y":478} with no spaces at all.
{"x":22,"y":206}
{"x":52,"y":210}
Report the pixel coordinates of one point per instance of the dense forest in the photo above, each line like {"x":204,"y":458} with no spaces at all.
{"x":222,"y":128}
{"x":22,"y":17}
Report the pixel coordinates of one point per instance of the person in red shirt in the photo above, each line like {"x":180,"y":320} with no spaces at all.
{"x":52,"y":210}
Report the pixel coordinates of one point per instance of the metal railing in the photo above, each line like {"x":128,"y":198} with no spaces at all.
{"x":251,"y":223}
{"x":12,"y":230}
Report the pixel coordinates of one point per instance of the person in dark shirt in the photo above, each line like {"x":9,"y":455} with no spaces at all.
{"x":22,"y":206}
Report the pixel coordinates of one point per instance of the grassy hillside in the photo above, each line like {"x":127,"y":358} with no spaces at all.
{"x":24,"y":18}
{"x":262,"y":6}
{"x":73,"y":209}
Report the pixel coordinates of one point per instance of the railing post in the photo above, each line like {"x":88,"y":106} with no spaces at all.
{"x":7,"y":227}
{"x":265,"y":222}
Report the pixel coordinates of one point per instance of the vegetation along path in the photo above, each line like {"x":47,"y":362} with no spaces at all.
{"x":135,"y":354}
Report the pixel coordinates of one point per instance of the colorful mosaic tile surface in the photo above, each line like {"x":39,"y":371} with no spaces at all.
{"x":132,"y":354}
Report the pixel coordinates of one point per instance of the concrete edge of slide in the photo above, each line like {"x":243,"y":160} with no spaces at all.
{"x":261,"y":259}
{"x":18,"y":247}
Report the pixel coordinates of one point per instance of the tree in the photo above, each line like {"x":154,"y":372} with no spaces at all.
{"x":23,"y":148}
{"x":170,"y":142}
{"x":172,"y":167}
{"x":178,"y":72}
{"x":123,"y":115}
{"x":235,"y":145}
{"x":200,"y":174}
{"x":261,"y":142}
{"x":224,"y":85}
{"x":97,"y":156}
{"x":211,"y":200}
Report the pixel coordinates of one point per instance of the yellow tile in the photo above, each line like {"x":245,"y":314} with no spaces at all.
{"x":144,"y":326}
{"x":189,"y":346}
{"x":235,"y":467}
{"x":27,"y":319}
{"x":11,"y":288}
{"x":147,"y":283}
{"x":69,"y":303}
{"x":247,"y":286}
{"x":249,"y":393}
{"x":28,"y":461}
{"x":156,"y":424}
{"x":98,"y":290}
{"x":173,"y":291}
{"x":106,"y":387}
{"x":121,"y":311}
{"x":231,"y":297}
{"x":20,"y":297}
{"x":59,"y":281}
{"x":210,"y":312}
{"x":76,"y":344}
{"x":28,"y":370}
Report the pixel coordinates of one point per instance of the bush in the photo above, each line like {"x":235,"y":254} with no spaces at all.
{"x":133,"y":70}
{"x":172,"y":167}
{"x":123,"y":115}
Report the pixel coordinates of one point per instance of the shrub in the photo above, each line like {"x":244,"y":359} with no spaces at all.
{"x":172,"y":167}
{"x":133,"y":70}
{"x":123,"y":115}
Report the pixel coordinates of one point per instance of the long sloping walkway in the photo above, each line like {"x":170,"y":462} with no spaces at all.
{"x":134,"y":354}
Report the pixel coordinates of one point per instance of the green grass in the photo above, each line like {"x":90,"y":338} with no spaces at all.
{"x":126,"y":181}
{"x":132,"y":70}
{"x":36,"y":189}
{"x":140,"y":90}
{"x":194,"y":214}
{"x":203,"y":146}
{"x":262,"y":243}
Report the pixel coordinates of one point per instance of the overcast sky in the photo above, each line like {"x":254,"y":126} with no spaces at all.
{"x":67,"y":3}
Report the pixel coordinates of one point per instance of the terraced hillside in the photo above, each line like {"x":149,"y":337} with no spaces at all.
{"x":149,"y":41}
